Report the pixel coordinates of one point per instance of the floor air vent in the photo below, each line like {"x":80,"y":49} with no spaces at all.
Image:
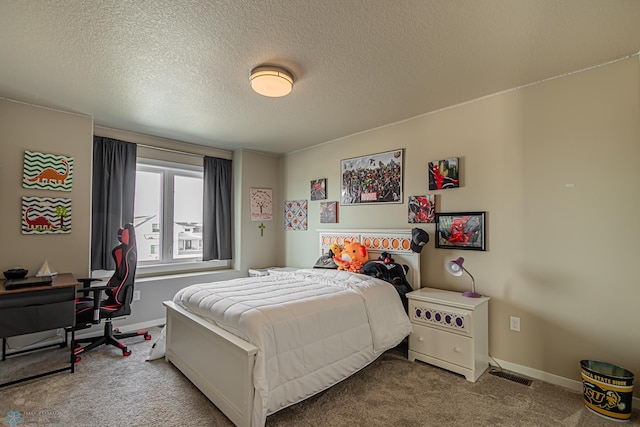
{"x":511,"y":377}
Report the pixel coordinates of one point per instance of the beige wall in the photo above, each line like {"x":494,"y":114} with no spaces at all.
{"x":555,"y":166}
{"x":25,"y":127}
{"x":253,"y":249}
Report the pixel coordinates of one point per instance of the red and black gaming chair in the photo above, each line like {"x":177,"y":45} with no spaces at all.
{"x":92,"y":309}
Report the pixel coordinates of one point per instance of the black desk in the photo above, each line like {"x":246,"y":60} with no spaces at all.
{"x":35,"y":309}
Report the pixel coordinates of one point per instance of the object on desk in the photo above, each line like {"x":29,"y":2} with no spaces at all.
{"x":45,"y":270}
{"x":27,"y":282}
{"x":15,"y":273}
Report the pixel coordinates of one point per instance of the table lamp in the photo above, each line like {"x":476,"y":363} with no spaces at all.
{"x":455,"y":268}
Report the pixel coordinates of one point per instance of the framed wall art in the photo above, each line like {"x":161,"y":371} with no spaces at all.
{"x":461,"y":230}
{"x":295,"y":215}
{"x":444,"y":174}
{"x":375,"y":178}
{"x":261,"y":204}
{"x":46,"y":215}
{"x":47,"y":171}
{"x":422,"y":209}
{"x":319,"y":189}
{"x":328,"y":212}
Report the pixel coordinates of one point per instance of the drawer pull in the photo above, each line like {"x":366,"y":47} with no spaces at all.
{"x":420,"y":339}
{"x":456,"y":349}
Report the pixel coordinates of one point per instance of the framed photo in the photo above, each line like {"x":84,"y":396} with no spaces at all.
{"x":261,"y":204}
{"x":319,"y":189}
{"x":461,"y":230}
{"x":375,"y":178}
{"x":444,"y":174}
{"x":329,"y":212}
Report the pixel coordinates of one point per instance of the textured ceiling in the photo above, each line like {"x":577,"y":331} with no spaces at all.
{"x":179,"y":69}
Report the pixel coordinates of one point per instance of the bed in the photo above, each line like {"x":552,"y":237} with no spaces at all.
{"x":307,"y":330}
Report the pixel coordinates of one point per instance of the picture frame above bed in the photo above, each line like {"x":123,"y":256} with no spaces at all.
{"x":461,"y":230}
{"x":374,"y":178}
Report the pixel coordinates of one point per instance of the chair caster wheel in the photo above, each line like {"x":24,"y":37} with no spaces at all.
{"x":78,"y":359}
{"x":147,"y":337}
{"x":126,"y":353}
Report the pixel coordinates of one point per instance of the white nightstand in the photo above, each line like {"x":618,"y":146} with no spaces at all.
{"x":449,"y":331}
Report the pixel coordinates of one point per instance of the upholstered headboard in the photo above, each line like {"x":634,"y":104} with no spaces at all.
{"x":395,"y":242}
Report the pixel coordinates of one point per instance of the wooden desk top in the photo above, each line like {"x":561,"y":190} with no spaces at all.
{"x":62,"y":280}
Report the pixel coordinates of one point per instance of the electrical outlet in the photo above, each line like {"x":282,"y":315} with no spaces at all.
{"x":136,"y":295}
{"x":514,"y":323}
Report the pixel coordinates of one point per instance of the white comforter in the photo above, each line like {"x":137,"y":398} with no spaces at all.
{"x":312,"y":327}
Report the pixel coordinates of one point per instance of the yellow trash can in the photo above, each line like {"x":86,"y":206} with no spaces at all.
{"x":608,"y":389}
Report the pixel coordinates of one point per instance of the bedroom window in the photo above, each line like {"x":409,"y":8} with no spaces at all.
{"x":168,"y":216}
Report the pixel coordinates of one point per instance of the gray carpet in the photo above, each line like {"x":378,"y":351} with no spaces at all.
{"x":110,"y":390}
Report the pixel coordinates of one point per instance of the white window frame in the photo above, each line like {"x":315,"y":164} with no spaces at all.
{"x":169,"y":265}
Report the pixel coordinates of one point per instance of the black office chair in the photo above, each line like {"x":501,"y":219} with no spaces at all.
{"x":90,"y":310}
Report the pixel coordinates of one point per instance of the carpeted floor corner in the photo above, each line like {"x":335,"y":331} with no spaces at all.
{"x":110,"y":390}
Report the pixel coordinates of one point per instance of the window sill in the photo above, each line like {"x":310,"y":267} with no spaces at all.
{"x":179,"y":268}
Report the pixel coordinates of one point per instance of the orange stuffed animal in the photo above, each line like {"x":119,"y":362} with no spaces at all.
{"x":352,"y":257}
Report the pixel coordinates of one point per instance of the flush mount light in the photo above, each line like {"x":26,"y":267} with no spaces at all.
{"x":271,"y":81}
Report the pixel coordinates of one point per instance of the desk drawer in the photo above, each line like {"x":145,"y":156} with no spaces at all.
{"x":36,"y":318}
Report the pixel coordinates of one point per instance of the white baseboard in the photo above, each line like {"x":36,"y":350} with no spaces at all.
{"x":548,"y":378}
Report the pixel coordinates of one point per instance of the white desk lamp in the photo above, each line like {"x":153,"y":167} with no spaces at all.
{"x":455,"y":268}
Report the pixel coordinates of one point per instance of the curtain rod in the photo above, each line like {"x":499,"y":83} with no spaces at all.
{"x":170,"y":150}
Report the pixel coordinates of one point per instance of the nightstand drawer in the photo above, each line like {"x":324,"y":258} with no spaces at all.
{"x":453,"y":348}
{"x":441,"y":316}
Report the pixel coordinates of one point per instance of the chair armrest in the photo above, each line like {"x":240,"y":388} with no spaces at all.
{"x":87,"y":281}
{"x":97,"y":297}
{"x":94,"y":289}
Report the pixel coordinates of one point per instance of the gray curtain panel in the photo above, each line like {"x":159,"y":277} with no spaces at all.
{"x":217,"y":221}
{"x":112,"y":197}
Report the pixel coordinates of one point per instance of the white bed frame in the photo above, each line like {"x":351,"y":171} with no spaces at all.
{"x":221,"y":364}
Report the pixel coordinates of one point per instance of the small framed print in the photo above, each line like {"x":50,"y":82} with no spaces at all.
{"x":319,"y":189}
{"x":261,"y":204}
{"x":295,"y":214}
{"x":444,"y":174}
{"x":329,"y":212}
{"x":422,"y":209}
{"x":461,"y":230}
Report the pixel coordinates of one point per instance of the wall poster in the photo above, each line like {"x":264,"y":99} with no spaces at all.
{"x":261,"y":204}
{"x":374,"y":178}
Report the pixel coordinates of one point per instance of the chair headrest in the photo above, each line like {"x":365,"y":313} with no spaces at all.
{"x":125,"y":234}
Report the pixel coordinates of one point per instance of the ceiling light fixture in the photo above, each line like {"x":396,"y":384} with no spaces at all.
{"x":271,"y":81}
